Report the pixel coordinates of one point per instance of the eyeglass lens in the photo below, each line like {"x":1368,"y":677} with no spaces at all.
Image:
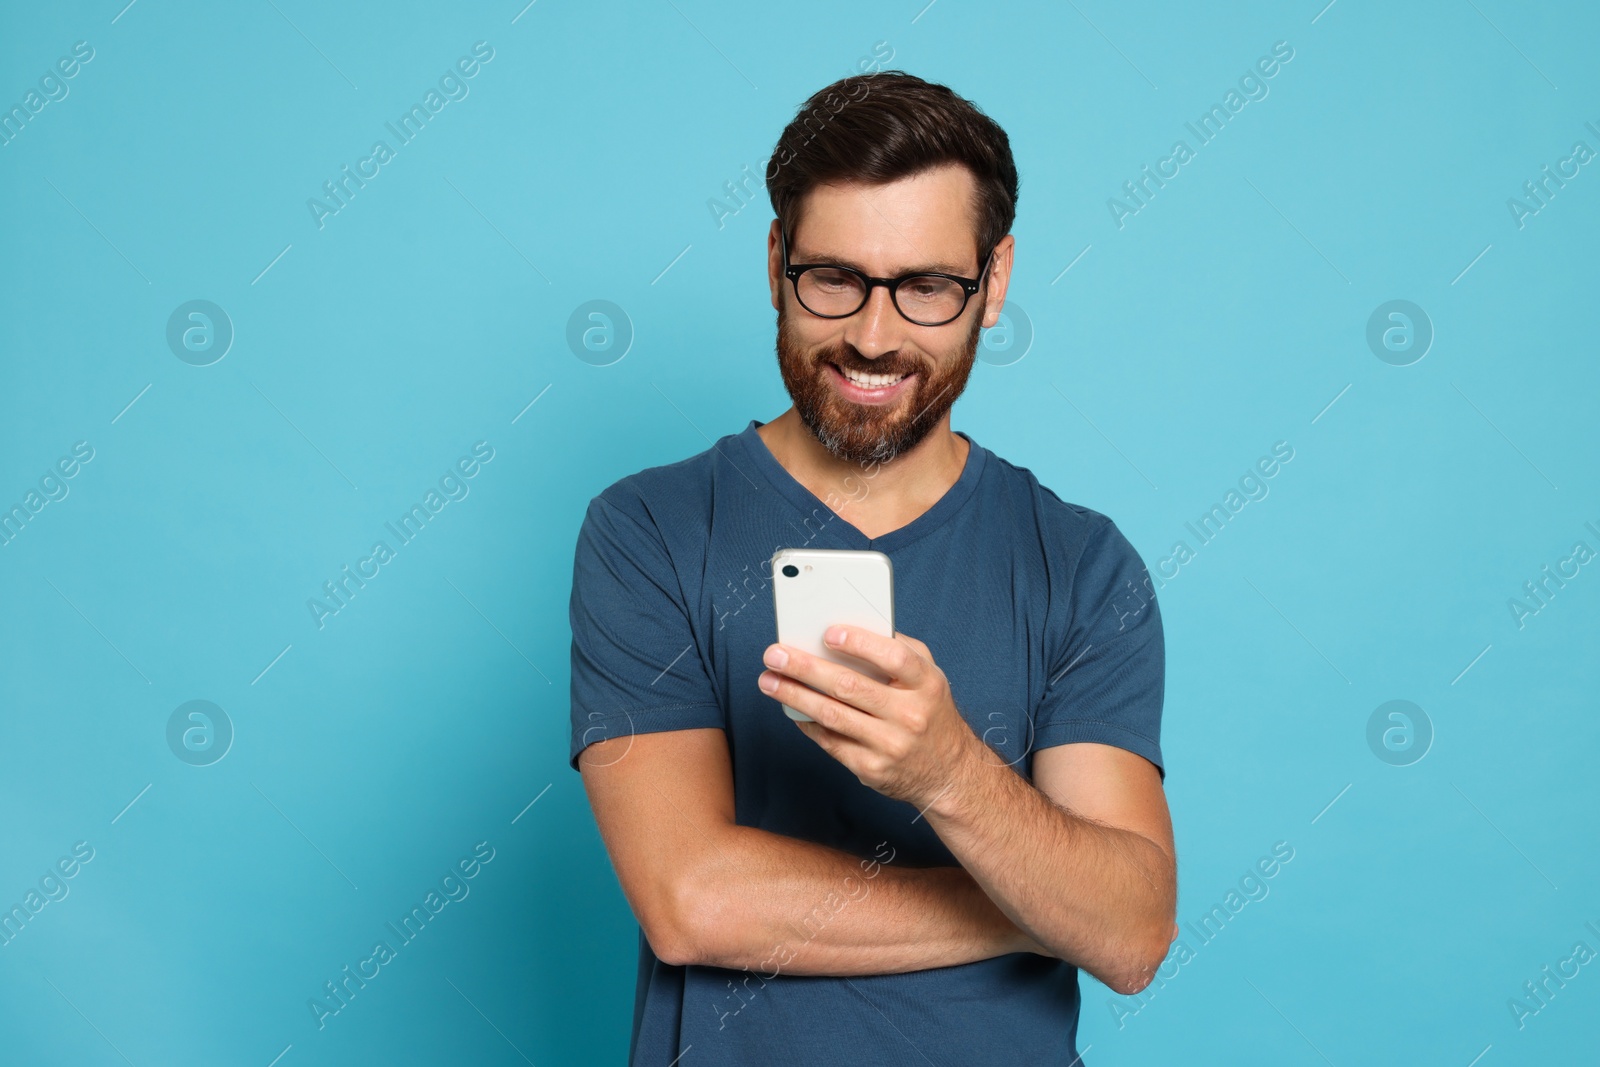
{"x":925,"y":299}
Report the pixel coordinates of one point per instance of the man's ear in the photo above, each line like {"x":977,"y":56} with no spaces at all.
{"x":774,"y":263}
{"x":998,"y":280}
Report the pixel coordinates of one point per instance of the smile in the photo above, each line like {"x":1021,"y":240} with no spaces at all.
{"x":868,"y":388}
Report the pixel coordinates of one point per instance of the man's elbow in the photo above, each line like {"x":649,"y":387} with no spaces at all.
{"x":670,"y":933}
{"x":672,"y":947}
{"x":684,"y":928}
{"x":1133,"y":982}
{"x":1139,"y":969}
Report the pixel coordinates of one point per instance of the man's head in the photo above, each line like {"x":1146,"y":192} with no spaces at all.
{"x":890,"y":175}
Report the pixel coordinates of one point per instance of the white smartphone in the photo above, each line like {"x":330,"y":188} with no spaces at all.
{"x":815,"y":588}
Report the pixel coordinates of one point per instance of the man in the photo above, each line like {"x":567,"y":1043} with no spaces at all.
{"x":916,"y":875}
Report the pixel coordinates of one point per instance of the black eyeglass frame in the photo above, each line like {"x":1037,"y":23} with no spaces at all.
{"x":969,"y":286}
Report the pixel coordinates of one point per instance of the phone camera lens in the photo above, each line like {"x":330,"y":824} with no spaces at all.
{"x":790,"y":570}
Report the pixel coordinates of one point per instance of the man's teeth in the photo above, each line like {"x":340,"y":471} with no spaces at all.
{"x":871,"y":381}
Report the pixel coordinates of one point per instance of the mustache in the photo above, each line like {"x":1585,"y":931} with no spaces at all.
{"x":861,"y":365}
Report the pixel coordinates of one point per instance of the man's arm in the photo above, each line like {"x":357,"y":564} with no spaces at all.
{"x":1082,"y":859}
{"x":707,"y":891}
{"x":1095,"y":885}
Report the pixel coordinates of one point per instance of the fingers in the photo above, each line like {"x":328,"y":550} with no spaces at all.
{"x":841,"y":719}
{"x":834,"y":744}
{"x":843,"y":684}
{"x":902,"y":657}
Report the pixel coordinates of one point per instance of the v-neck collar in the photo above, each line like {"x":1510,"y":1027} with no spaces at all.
{"x":808,"y":502}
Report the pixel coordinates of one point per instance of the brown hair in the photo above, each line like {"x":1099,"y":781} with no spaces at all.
{"x":887,"y":125}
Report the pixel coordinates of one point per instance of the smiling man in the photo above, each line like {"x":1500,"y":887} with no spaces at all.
{"x":917,"y":875}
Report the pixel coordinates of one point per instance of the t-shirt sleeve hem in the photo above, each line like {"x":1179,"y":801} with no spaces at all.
{"x":644,"y":721}
{"x":1105,"y":733}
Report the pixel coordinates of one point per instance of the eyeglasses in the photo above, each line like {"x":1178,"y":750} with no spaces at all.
{"x":831,"y":291}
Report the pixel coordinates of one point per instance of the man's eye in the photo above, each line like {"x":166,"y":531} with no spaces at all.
{"x":833,"y":281}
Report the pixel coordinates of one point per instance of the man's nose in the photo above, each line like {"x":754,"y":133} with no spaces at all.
{"x":875,"y":329}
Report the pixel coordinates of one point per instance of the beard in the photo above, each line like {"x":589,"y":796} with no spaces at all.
{"x":872,"y":433}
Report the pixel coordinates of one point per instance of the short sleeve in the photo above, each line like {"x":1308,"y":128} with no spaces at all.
{"x":1107,"y":682}
{"x":636,"y":664}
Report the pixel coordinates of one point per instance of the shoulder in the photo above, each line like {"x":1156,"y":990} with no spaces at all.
{"x":1067,"y":529}
{"x":643,"y":493}
{"x":1089,"y":564}
{"x":670,"y":503}
{"x":669,"y":487}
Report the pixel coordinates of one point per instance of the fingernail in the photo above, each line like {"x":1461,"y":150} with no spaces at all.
{"x":767,"y":682}
{"x":775,"y":657}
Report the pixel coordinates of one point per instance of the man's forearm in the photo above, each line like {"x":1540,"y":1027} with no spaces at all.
{"x":770,"y":903}
{"x":1098,"y":896}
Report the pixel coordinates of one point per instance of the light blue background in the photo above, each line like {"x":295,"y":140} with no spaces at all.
{"x":1229,"y":313}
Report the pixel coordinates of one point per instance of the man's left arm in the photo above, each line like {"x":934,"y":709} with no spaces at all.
{"x":1082,"y":862}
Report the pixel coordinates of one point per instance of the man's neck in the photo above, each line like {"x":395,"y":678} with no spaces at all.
{"x":875,"y":498}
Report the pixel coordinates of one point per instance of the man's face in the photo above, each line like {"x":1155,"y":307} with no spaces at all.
{"x":920,"y":223}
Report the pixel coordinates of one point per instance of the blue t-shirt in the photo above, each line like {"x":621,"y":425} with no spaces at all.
{"x":1039,"y":612}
